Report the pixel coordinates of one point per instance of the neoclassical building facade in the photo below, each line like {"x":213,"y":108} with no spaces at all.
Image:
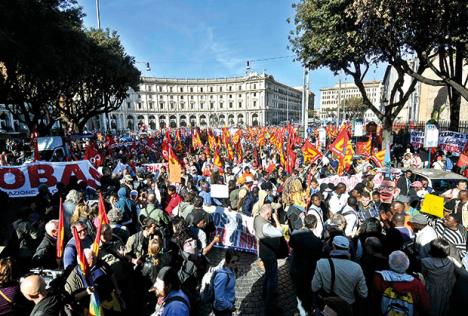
{"x":251,"y":100}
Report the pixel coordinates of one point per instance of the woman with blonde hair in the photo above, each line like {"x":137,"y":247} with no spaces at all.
{"x":85,"y":214}
{"x":294,"y":202}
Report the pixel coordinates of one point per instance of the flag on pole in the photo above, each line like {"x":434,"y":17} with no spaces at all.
{"x":60,"y":232}
{"x":378,"y":158}
{"x":175,"y":168}
{"x":339,"y":145}
{"x":102,"y":214}
{"x":196,"y":141}
{"x":217,"y":160}
{"x":35,"y":146}
{"x":95,"y":307}
{"x":364,"y":148}
{"x":310,"y":152}
{"x":80,"y":254}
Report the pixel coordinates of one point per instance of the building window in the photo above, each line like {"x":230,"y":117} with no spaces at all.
{"x":254,"y":103}
{"x":171,"y":97}
{"x":191,"y":97}
{"x":211,"y":89}
{"x":220,"y":89}
{"x":139,"y":105}
{"x":212,"y":105}
{"x":152,"y":96}
{"x":221,"y":96}
{"x":240,"y":95}
{"x":201,"y":89}
{"x":230,"y":105}
{"x":221,"y":105}
{"x":191,"y":89}
{"x":240,"y":88}
{"x":182,"y":105}
{"x":240,"y":105}
{"x":255,"y":94}
{"x":161,"y":105}
{"x":160,"y":96}
{"x":181,"y":97}
{"x":230,"y":88}
{"x":230,"y":96}
{"x":181,"y":89}
{"x":201,"y":106}
{"x":149,"y":88}
{"x":160,"y":89}
{"x":150,"y":105}
{"x":211,"y":97}
{"x":170,"y":89}
{"x":172,"y":106}
{"x":128,"y":105}
{"x":255,"y":86}
{"x":139,"y":96}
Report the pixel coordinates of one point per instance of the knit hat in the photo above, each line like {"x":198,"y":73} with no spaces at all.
{"x":341,"y":242}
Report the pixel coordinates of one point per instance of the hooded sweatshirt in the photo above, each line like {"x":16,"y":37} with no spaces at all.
{"x":401,"y":283}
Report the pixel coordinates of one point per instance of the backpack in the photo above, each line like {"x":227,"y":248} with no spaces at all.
{"x":207,"y":294}
{"x":397,"y":304}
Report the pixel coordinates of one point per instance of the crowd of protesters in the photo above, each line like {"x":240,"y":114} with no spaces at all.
{"x":349,"y":251}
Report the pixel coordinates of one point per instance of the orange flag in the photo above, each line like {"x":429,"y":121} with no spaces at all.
{"x":60,"y":232}
{"x":230,"y":152}
{"x":346,"y":161}
{"x":338,"y":147}
{"x":196,"y":141}
{"x":364,"y":148}
{"x":310,"y":152}
{"x":175,"y":168}
{"x":378,"y":158}
{"x":217,"y":160}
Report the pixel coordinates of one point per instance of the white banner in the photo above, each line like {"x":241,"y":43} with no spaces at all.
{"x":23,"y":181}
{"x":350,"y":181}
{"x":235,"y":229}
{"x":153,"y":167}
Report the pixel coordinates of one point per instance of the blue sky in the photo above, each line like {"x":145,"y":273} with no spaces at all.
{"x":208,"y":38}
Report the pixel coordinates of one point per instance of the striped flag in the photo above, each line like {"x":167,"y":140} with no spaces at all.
{"x":80,"y":254}
{"x":102,"y":214}
{"x":60,"y":232}
{"x":95,"y":307}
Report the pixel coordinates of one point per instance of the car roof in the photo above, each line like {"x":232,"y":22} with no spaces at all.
{"x":438,"y":174}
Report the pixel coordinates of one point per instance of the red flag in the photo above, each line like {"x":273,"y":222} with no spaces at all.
{"x":97,"y":239}
{"x":165,"y":149}
{"x":35,"y":147}
{"x":364,"y":148}
{"x":196,"y":141}
{"x":338,"y":147}
{"x":310,"y":152}
{"x":291,"y":163}
{"x":378,"y":158}
{"x":102,"y":214}
{"x":255,"y":156}
{"x":60,"y":232}
{"x":239,"y":152}
{"x":80,"y":253}
{"x":93,"y":155}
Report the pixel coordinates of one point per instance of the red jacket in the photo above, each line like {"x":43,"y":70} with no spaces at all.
{"x":173,"y":202}
{"x":421,"y":298}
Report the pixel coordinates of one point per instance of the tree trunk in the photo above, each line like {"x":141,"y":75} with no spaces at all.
{"x":455,"y":102}
{"x":387,"y":125}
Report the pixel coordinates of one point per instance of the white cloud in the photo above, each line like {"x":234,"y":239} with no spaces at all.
{"x":221,"y":52}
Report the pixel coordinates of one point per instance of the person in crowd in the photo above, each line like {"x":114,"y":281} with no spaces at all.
{"x":33,"y":288}
{"x":69,"y":252}
{"x":99,"y":280}
{"x":453,"y":193}
{"x":396,"y":291}
{"x":306,"y":251}
{"x":461,"y":207}
{"x":398,"y":222}
{"x":128,"y":209}
{"x":69,"y":205}
{"x":338,"y":199}
{"x":45,"y":255}
{"x":373,"y":258}
{"x":152,"y":211}
{"x":424,"y":235}
{"x":137,"y":244}
{"x":439,"y":275}
{"x":316,"y":210}
{"x":224,"y":285}
{"x":404,"y":183}
{"x":268,"y":237}
{"x":173,"y":300}
{"x":186,"y":206}
{"x":84,"y":213}
{"x":9,"y":288}
{"x":367,"y":209}
{"x":115,"y":217}
{"x":198,"y":224}
{"x":174,"y":200}
{"x":246,"y":198}
{"x":349,"y":282}
{"x":351,"y":216}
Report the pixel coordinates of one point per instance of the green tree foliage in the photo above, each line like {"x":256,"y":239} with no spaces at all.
{"x":103,"y":82}
{"x":353,"y":107}
{"x":51,"y":68}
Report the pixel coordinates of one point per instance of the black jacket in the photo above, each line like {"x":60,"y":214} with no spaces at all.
{"x":45,"y":254}
{"x":49,"y":306}
{"x":307,"y":249}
